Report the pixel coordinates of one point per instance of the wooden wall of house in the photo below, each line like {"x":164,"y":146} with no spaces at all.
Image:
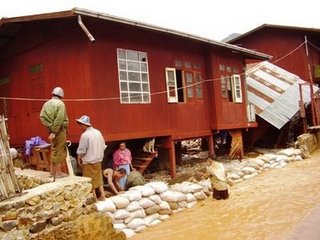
{"x":89,"y":70}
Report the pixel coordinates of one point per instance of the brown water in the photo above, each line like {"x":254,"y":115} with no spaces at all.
{"x":267,"y":206}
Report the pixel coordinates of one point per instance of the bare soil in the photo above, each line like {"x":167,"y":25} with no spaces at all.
{"x":268,"y":206}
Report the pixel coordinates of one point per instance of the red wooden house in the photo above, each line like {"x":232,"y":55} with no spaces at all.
{"x":133,"y":79}
{"x":280,"y":41}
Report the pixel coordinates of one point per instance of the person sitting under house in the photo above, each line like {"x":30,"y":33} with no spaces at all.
{"x":114,"y":176}
{"x":122,"y":158}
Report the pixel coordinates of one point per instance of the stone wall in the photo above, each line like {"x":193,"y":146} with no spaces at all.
{"x":63,"y":209}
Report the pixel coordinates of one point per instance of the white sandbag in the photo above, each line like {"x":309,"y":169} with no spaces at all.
{"x":233,"y":176}
{"x":298,"y":158}
{"x":281,"y":158}
{"x":169,"y":196}
{"x":147,"y":191}
{"x":163,"y":217}
{"x":119,"y":226}
{"x":120,"y":202}
{"x":264,"y":158}
{"x":132,"y":195}
{"x":206,"y":183}
{"x":273,"y":165}
{"x":252,"y":164}
{"x":200,"y":195}
{"x":118,"y":221}
{"x":177,"y":187}
{"x":288,"y":152}
{"x":266,"y":165}
{"x":182,"y":204}
{"x":146,"y":202}
{"x":248,"y":170}
{"x":155,"y":198}
{"x":149,"y":219}
{"x":250,"y":175}
{"x":191,"y":204}
{"x":283,"y":164}
{"x":195,"y":188}
{"x":135,"y":223}
{"x":191,"y":198}
{"x":136,"y":214}
{"x":121,"y":214}
{"x":164,"y":205}
{"x":239,"y":173}
{"x":133,"y":206}
{"x":159,"y":187}
{"x":140,"y":229}
{"x":259,"y":162}
{"x":180,"y":196}
{"x":271,"y":156}
{"x":238,"y":180}
{"x":128,"y":232}
{"x":106,"y":205}
{"x":155,"y":222}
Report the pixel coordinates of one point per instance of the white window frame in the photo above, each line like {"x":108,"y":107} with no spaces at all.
{"x":236,"y":88}
{"x":129,"y":92}
{"x":171,"y":99}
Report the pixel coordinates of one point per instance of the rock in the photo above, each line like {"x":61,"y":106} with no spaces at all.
{"x":48,"y":206}
{"x":71,"y":195}
{"x":10,"y":215}
{"x":55,"y":221}
{"x":48,"y":214}
{"x":153,"y":209}
{"x":18,"y":204}
{"x":73,"y":214}
{"x":5,"y":207}
{"x":25,"y":220}
{"x":38,"y":226}
{"x":33,"y":201}
{"x":8,"y":225}
{"x":90,"y":199}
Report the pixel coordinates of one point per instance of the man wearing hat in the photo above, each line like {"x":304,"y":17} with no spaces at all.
{"x":54,"y":116}
{"x":90,"y":154}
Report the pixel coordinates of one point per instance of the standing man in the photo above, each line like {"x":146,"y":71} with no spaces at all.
{"x":54,"y":116}
{"x":90,"y":154}
{"x":122,"y":159}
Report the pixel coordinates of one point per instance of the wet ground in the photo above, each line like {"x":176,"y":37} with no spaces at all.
{"x":268,"y":206}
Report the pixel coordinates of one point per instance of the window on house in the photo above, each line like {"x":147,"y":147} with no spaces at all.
{"x":236,"y":88}
{"x":189,"y":83}
{"x":175,"y":90}
{"x":224,"y":90}
{"x":197,"y":77}
{"x":133,"y":76}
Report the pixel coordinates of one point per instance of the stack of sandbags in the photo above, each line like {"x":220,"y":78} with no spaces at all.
{"x":144,"y":206}
{"x":252,"y":167}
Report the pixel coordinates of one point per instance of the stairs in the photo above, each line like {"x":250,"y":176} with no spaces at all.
{"x":141,"y":160}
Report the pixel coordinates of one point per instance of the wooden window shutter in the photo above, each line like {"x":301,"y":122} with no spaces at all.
{"x":236,"y":88}
{"x":171,"y":80}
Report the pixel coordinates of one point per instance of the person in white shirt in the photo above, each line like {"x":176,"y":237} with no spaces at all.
{"x":90,"y":155}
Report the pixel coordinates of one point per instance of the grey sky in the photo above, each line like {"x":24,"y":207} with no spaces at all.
{"x":207,"y":18}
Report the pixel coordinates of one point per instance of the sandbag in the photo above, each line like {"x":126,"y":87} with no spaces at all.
{"x":180,"y":196}
{"x":121,"y":214}
{"x":289,"y":152}
{"x":250,"y":175}
{"x":248,"y":170}
{"x":119,"y":226}
{"x":266,"y":165}
{"x":200,"y":195}
{"x":135,"y":223}
{"x":182,"y":204}
{"x":173,"y":205}
{"x":169,"y":196}
{"x":191,"y":198}
{"x":120,"y":202}
{"x":281,"y":158}
{"x":233,"y":176}
{"x":149,"y":219}
{"x":128,"y":232}
{"x":106,"y":205}
{"x":166,"y":211}
{"x":147,"y":191}
{"x":206,"y":183}
{"x":155,"y":222}
{"x":146,"y":202}
{"x":137,"y":214}
{"x":163,"y":217}
{"x":270,"y":156}
{"x":165,"y":205}
{"x":132,"y":195}
{"x":195,"y":188}
{"x":117,"y":221}
{"x":152,"y":210}
{"x":259,"y":162}
{"x":140,"y":229}
{"x":240,"y":173}
{"x":155,"y":198}
{"x":159,"y":187}
{"x":133,"y":206}
{"x":252,"y":164}
{"x":191,"y":204}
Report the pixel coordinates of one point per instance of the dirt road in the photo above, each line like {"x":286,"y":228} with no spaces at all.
{"x":267,"y":206}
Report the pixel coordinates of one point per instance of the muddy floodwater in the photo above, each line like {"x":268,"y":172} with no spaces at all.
{"x":267,"y":206}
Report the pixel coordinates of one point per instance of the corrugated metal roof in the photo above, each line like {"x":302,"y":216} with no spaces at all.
{"x":275,"y":92}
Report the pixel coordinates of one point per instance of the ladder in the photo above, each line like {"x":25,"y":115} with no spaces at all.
{"x":141,"y":160}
